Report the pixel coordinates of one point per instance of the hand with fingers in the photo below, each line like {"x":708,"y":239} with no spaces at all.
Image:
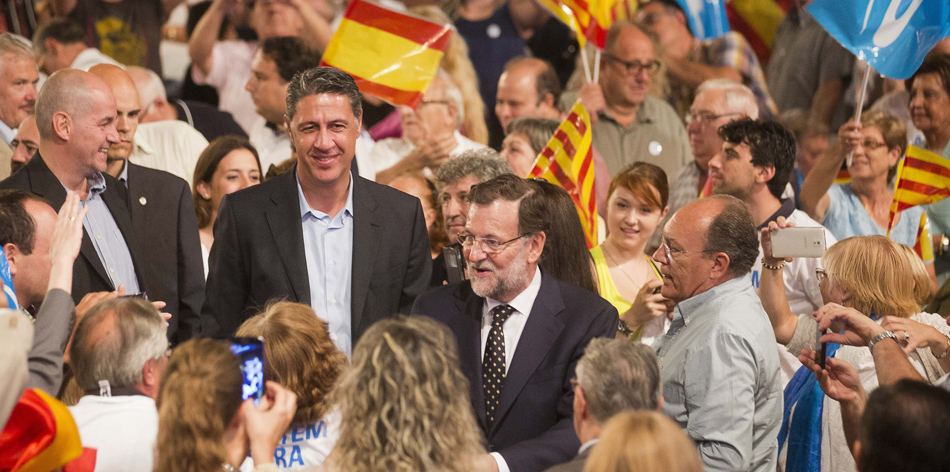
{"x":913,"y":335}
{"x":857,"y":329}
{"x":838,"y":379}
{"x":266,"y":423}
{"x":648,"y":306}
{"x":65,"y":243}
{"x":766,"y":241}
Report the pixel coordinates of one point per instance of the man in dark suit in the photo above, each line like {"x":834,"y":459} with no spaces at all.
{"x":163,"y":217}
{"x":354,"y":250}
{"x":75,"y":114}
{"x":520,"y":332}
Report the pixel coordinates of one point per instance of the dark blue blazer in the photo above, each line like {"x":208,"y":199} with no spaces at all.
{"x":534,"y":428}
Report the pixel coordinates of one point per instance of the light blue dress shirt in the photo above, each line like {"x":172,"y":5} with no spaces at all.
{"x":7,"y":133}
{"x":107,"y":239}
{"x":328,"y":245}
{"x":720,"y":374}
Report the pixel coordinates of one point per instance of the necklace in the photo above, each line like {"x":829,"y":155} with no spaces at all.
{"x":622,"y":270}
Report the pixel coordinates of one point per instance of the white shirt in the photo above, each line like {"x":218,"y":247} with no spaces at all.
{"x":272,"y":146}
{"x":230,"y":71}
{"x":92,"y":57}
{"x":121,"y":429}
{"x":172,"y":146}
{"x":390,"y":151}
{"x":513,"y":328}
{"x":304,"y":446}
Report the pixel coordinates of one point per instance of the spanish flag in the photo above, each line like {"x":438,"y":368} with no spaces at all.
{"x":922,"y":177}
{"x":568,"y":161}
{"x":40,"y":435}
{"x":391,"y":55}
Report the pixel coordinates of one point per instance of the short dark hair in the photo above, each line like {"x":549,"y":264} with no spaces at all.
{"x":290,"y":55}
{"x":64,"y":30}
{"x":18,"y":226}
{"x":323,"y":80}
{"x":906,"y":427}
{"x":207,"y":165}
{"x":771,"y":145}
{"x":538,"y":130}
{"x":509,"y":187}
{"x":935,"y":63}
{"x":732,"y":231}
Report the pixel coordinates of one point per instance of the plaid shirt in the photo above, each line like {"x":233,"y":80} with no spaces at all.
{"x":731,"y":50}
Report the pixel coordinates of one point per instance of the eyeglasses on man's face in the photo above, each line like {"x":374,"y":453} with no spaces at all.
{"x":635,"y":67}
{"x":489,"y":246}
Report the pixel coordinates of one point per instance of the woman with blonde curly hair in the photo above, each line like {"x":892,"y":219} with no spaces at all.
{"x":203,"y":425}
{"x":643,"y":441}
{"x":405,"y":403}
{"x":300,"y":356}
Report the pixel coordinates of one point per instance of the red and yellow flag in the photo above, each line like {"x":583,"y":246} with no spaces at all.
{"x":757,"y":21}
{"x":923,"y":245}
{"x":922,"y":177}
{"x":568,"y":161}
{"x":842,"y":177}
{"x":590,"y":19}
{"x":391,"y":55}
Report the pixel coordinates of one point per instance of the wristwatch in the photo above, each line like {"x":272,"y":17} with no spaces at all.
{"x":885,"y":334}
{"x":623,"y":329}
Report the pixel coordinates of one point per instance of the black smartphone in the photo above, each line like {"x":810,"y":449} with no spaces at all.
{"x":822,"y":352}
{"x":250,"y":352}
{"x":454,"y":264}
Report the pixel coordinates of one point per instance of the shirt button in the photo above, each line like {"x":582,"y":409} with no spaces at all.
{"x":111,"y":271}
{"x":333,"y":301}
{"x":98,"y":238}
{"x":331,"y":262}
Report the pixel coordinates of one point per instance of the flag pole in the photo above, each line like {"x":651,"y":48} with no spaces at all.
{"x":861,"y":98}
{"x":586,"y":65}
{"x":596,"y":65}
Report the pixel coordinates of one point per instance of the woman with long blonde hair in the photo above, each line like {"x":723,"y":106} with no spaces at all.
{"x":405,"y":403}
{"x":643,"y":441}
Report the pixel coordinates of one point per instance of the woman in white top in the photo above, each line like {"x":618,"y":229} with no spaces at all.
{"x":869,"y":274}
{"x":300,"y":356}
{"x":228,"y":164}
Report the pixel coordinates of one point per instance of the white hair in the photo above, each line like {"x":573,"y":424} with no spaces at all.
{"x":452,"y":94}
{"x":152,"y":89}
{"x":736,"y":97}
{"x":16,"y":46}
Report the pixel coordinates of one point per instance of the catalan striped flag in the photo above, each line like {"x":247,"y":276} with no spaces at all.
{"x":922,"y":177}
{"x":758,"y":21}
{"x":589,"y":19}
{"x":842,"y":177}
{"x":568,"y":161}
{"x":923,"y":245}
{"x":391,"y":55}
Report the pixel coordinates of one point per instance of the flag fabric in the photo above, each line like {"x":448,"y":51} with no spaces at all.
{"x":707,"y":18}
{"x":391,"y":55}
{"x":923,"y":245}
{"x":7,"y":282}
{"x":757,"y":21}
{"x":568,"y":161}
{"x":893,"y":36}
{"x":922,"y":177}
{"x":589,"y":19}
{"x":707,"y":187}
{"x":39,"y":436}
{"x":842,"y":177}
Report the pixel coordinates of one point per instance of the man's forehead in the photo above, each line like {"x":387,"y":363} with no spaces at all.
{"x":709,"y":100}
{"x":328,"y":106}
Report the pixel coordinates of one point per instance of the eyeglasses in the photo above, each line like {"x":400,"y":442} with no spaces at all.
{"x":820,"y":273}
{"x":871,"y":145}
{"x":489,"y":246}
{"x":635,"y":67}
{"x":429,"y":101}
{"x":670,"y":251}
{"x":706,"y":117}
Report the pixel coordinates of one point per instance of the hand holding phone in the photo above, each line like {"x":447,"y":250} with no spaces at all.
{"x":250,"y":353}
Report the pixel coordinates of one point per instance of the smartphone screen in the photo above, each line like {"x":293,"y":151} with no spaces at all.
{"x":454,"y":264}
{"x":250,"y":352}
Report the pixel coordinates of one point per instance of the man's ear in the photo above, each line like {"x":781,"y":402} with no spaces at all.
{"x":764,"y":174}
{"x":12,"y":253}
{"x":62,"y":125}
{"x":581,"y":402}
{"x":536,"y":246}
{"x":720,"y":266}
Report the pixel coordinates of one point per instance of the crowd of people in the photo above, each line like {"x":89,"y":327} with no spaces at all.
{"x":425,"y":305}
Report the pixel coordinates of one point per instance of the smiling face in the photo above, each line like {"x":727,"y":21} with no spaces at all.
{"x":455,"y":205}
{"x":630,"y":221}
{"x":517,"y":150}
{"x":930,"y":103}
{"x":872,"y":159}
{"x":236,"y":171}
{"x":324,"y":132}
{"x":506,"y":273}
{"x":94,"y":131}
{"x":18,"y":78}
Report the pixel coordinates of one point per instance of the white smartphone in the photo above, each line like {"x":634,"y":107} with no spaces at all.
{"x":798,"y":242}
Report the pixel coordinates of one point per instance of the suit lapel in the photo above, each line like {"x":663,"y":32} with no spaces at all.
{"x":287,"y":231}
{"x":469,"y":338}
{"x":539,"y":334}
{"x":45,"y":184}
{"x":116,"y":198}
{"x":367,"y":235}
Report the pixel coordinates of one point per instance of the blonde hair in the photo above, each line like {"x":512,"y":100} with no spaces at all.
{"x":644,"y":441}
{"x":458,"y":66}
{"x":299,"y":355}
{"x":876,"y":274}
{"x":405,"y":403}
{"x":921,"y":277}
{"x":198,"y":397}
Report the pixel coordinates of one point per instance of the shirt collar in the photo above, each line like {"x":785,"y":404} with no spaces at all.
{"x":786,"y":210}
{"x":645,"y":112}
{"x":305,"y":207}
{"x":691,"y":306}
{"x":587,"y":445}
{"x":124,"y":175}
{"x":525,"y":300}
{"x":6,"y":133}
{"x":97,"y":184}
{"x":141,"y":145}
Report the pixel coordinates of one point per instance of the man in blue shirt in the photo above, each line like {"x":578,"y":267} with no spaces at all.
{"x":354,"y":250}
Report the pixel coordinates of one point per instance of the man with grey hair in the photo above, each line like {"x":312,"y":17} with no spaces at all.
{"x":118,"y":353}
{"x":613,"y":376}
{"x":454,"y":179}
{"x":719,"y":365}
{"x":354,"y":250}
{"x":430,"y":134}
{"x":18,"y":79}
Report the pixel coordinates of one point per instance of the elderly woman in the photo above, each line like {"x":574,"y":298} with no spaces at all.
{"x":868,"y":274}
{"x":301,"y":357}
{"x":862,"y":207}
{"x":405,"y":403}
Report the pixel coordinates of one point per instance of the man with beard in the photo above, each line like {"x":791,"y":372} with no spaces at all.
{"x":520,"y":332}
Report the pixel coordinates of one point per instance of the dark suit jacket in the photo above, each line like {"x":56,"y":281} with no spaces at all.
{"x":163,"y":218}
{"x":575,"y":465}
{"x":89,"y":275}
{"x":533,"y":428}
{"x":258,"y":254}
{"x":54,"y":324}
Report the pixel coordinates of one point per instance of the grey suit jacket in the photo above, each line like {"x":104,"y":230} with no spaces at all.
{"x":54,"y":323}
{"x":574,"y":465}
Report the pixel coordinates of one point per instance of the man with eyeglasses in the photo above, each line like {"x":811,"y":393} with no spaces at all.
{"x":629,"y":125}
{"x":690,"y":61}
{"x":430,"y":134}
{"x":718,"y":364}
{"x":520,"y":332}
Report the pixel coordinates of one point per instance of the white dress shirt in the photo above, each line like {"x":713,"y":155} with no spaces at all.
{"x":172,"y":146}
